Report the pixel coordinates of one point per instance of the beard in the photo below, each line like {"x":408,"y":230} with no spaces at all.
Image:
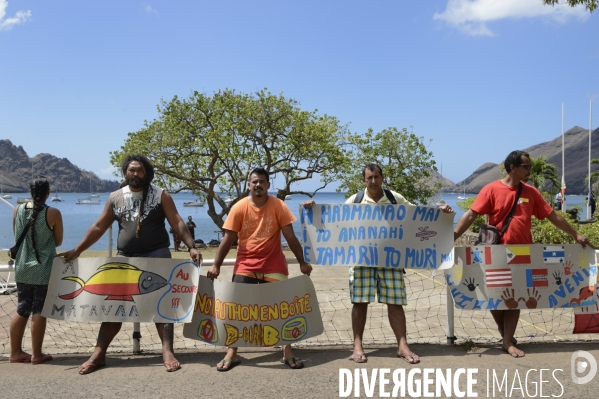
{"x":139,"y":183}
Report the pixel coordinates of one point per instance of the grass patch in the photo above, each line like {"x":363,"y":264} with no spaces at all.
{"x":470,"y":346}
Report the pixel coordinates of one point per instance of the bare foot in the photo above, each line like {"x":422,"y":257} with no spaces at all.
{"x":512,"y":350}
{"x":170,"y":362}
{"x":359,"y":357}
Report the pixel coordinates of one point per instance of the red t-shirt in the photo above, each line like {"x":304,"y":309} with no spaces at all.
{"x":258,"y":230}
{"x":496,"y":200}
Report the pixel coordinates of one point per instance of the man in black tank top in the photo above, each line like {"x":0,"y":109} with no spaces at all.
{"x":140,"y":210}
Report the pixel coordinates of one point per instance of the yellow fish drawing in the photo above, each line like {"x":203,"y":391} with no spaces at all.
{"x":259,"y":335}
{"x":119,"y":281}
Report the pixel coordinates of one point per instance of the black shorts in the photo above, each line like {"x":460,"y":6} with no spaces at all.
{"x":31,"y":299}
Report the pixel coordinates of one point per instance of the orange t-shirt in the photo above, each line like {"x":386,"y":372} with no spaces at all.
{"x":258,"y":230}
{"x":496,"y":200}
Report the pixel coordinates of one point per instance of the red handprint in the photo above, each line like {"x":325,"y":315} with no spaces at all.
{"x":531,"y":303}
{"x":567,"y":266}
{"x":510,"y":302}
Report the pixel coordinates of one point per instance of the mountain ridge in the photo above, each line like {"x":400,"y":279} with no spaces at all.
{"x":576,"y":155}
{"x":16,"y":169}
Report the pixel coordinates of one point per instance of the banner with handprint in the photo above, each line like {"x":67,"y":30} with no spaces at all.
{"x":502,"y":277}
{"x":393,"y":236}
{"x":122,"y":289}
{"x":255,"y":315}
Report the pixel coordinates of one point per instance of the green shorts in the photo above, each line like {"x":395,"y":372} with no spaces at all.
{"x":386,"y":282}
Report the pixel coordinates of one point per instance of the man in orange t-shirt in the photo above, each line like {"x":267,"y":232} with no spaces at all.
{"x":258,"y":221}
{"x":496,"y":199}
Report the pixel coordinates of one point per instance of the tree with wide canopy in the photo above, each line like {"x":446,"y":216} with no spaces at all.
{"x":407,"y":164}
{"x":210,"y":144}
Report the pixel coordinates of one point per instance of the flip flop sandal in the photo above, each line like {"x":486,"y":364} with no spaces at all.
{"x":90,"y":368}
{"x":44,"y":359}
{"x":22,"y":359}
{"x":411,"y":356}
{"x":231,"y":365}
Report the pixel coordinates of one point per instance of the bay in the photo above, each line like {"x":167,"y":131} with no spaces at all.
{"x":78,"y":218}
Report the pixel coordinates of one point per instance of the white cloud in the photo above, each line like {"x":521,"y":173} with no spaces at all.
{"x":151,"y":10}
{"x":108,"y":173}
{"x":472,"y":16}
{"x":8,"y":23}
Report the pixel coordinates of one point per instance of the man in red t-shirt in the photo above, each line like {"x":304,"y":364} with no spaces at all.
{"x":496,"y":199}
{"x":258,"y":221}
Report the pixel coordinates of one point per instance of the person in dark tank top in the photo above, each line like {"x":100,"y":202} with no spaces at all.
{"x":140,"y":209}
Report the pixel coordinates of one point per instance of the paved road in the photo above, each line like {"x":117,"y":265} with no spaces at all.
{"x":261,"y":375}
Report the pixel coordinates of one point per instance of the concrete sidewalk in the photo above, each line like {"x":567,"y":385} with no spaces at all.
{"x":261,"y":375}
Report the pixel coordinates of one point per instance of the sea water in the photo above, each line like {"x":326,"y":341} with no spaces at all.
{"x":78,"y":218}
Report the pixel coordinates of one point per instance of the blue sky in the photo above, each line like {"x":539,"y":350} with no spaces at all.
{"x":480,"y":78}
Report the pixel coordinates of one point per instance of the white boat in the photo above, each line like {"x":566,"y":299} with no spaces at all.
{"x":87,"y":201}
{"x":56,"y":197}
{"x":23,"y":200}
{"x":6,"y":196}
{"x":92,"y":194}
{"x":288,"y":197}
{"x":228,"y":200}
{"x":194,"y":203}
{"x":460,"y":197}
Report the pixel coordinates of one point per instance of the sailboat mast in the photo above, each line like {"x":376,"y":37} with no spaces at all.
{"x":563,"y":190}
{"x":589,"y":216}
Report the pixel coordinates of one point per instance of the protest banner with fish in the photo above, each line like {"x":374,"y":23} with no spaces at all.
{"x":122,"y":289}
{"x":255,"y":315}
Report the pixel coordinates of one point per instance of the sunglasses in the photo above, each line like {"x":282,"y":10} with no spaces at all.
{"x":526,"y":166}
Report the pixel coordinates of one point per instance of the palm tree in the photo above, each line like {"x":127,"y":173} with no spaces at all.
{"x":543,"y":172}
{"x":594,"y":175}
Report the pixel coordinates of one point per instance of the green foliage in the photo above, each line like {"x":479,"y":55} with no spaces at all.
{"x":543,"y":172}
{"x":594,"y":175}
{"x":544,"y":175}
{"x":590,"y":5}
{"x":210,"y":144}
{"x":544,"y":232}
{"x":465,"y":205}
{"x":406,"y":163}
